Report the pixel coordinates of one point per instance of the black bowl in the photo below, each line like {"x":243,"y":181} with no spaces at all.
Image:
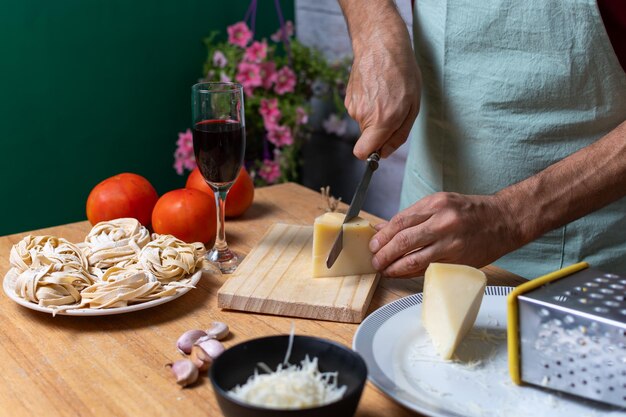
{"x":237,"y":364}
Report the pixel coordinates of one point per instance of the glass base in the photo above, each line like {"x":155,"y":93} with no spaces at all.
{"x":226,"y":260}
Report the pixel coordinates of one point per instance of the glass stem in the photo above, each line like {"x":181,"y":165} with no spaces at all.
{"x":220,"y":237}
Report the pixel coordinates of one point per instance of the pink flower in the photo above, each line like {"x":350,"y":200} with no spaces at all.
{"x":302,"y":117}
{"x":249,"y":76}
{"x":239,"y":34}
{"x":285,"y":81}
{"x":270,"y":171}
{"x":335,"y":125}
{"x":219,"y":59}
{"x":280,"y":136}
{"x":183,"y":156}
{"x":224,"y":78}
{"x":256,"y":52}
{"x":278,"y":36}
{"x":268,"y":74}
{"x":270,"y":113}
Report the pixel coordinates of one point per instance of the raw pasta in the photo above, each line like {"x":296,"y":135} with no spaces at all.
{"x":115,"y":243}
{"x":46,"y":250}
{"x":170,"y":259}
{"x":116,"y":266}
{"x":52,"y":285}
{"x":120,"y":287}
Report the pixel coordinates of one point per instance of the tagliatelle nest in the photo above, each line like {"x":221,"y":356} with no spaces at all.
{"x":119,"y":287}
{"x":115,"y":243}
{"x":170,"y":259}
{"x":118,"y":264}
{"x":33,"y":251}
{"x":52,"y":285}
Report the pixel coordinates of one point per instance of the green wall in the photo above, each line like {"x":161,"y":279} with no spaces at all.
{"x":92,"y":88}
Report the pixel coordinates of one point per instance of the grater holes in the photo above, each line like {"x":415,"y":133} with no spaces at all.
{"x":601,"y":279}
{"x":601,"y":310}
{"x":611,"y":303}
{"x":617,"y":286}
{"x":596,"y":295}
{"x":592,"y":284}
{"x":622,"y":281}
{"x":613,"y":276}
{"x":607,"y":291}
{"x":619,"y":298}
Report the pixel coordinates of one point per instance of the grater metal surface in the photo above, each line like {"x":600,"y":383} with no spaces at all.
{"x":573,"y":336}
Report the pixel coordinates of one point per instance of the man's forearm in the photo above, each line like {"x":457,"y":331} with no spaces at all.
{"x":369,"y":21}
{"x":582,"y":183}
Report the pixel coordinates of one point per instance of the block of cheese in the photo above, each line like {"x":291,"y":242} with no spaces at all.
{"x":355,"y":257}
{"x":452,"y":297}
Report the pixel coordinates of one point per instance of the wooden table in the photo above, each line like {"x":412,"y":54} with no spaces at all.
{"x":115,"y":365}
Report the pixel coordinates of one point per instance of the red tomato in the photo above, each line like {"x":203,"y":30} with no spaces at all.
{"x":123,"y":195}
{"x":239,"y":197}
{"x":187,"y":214}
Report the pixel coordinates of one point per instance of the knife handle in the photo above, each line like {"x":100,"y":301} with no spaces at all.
{"x":372,"y":160}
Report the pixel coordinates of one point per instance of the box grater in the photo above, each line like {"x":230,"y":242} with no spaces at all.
{"x":567,"y":332}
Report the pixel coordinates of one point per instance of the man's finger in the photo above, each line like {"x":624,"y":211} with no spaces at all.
{"x":379,"y":226}
{"x":405,"y":241}
{"x":400,"y":221}
{"x":371,"y":140}
{"x":412,"y":265}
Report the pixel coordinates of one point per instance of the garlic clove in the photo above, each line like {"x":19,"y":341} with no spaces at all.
{"x":218,"y":330}
{"x":212,"y":347}
{"x":185,"y":371}
{"x":200,"y":358}
{"x":187,"y":340}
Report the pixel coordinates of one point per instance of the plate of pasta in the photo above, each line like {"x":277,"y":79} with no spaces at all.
{"x":119,"y":268}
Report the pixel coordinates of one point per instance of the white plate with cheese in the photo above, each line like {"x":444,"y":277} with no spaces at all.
{"x":402,"y":362}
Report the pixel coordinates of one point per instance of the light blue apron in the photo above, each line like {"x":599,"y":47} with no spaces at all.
{"x":509,"y":88}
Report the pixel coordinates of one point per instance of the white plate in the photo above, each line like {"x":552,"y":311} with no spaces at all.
{"x":9,"y":289}
{"x":403,"y":364}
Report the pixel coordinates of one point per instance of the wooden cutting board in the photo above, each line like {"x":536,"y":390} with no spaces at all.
{"x":275,"y":278}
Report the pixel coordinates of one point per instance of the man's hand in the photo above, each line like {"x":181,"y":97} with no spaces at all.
{"x":444,"y":227}
{"x":383,"y":93}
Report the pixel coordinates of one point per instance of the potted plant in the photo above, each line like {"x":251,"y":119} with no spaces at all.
{"x":283,"y":81}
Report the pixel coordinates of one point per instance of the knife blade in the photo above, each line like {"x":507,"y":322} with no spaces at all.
{"x":355,"y":206}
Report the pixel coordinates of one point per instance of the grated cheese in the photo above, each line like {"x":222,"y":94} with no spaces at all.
{"x":290,"y":387}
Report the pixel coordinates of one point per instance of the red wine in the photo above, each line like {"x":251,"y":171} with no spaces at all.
{"x":219,"y":146}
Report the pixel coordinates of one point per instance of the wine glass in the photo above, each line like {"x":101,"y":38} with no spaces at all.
{"x":219,"y":142}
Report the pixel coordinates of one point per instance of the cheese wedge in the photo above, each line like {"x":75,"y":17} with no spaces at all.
{"x":452,"y":297}
{"x":355,"y":257}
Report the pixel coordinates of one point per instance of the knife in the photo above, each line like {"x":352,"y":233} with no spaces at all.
{"x":355,"y":206}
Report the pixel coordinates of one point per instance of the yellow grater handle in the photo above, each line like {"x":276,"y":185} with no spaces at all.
{"x":513,"y":314}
